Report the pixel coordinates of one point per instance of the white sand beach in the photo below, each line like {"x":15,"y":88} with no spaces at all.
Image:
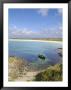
{"x":21,"y":40}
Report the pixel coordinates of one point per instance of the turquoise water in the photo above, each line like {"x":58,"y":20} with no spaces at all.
{"x":30,"y":50}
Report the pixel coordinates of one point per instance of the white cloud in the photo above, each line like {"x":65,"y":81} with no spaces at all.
{"x":60,"y":11}
{"x":43,"y":12}
{"x":42,"y":32}
{"x":15,"y":27}
{"x":27,"y":32}
{"x":24,"y":31}
{"x":60,"y":28}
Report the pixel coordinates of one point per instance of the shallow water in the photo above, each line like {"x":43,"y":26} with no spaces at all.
{"x":30,"y":51}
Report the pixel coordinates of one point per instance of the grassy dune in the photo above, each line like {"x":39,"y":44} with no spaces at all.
{"x":52,"y":73}
{"x":16,"y":66}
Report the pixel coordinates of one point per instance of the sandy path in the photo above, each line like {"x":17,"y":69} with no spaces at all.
{"x":28,"y":76}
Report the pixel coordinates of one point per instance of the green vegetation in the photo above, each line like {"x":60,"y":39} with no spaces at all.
{"x":52,"y":73}
{"x":53,"y":39}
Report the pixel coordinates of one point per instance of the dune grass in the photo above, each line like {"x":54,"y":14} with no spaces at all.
{"x":15,"y":67}
{"x":52,"y":73}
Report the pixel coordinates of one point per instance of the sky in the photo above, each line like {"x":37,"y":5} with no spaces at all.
{"x":35,"y":23}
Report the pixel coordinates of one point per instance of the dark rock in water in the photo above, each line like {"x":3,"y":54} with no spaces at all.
{"x":60,"y":48}
{"x":41,"y":56}
{"x":60,"y":54}
{"x":60,"y":51}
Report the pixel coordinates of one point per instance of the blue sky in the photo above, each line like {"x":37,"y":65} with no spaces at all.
{"x":35,"y":23}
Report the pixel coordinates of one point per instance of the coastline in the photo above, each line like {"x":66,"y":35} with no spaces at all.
{"x":18,"y":71}
{"x":21,"y":40}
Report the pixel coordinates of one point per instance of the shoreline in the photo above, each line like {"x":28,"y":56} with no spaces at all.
{"x":35,"y":40}
{"x":18,"y":71}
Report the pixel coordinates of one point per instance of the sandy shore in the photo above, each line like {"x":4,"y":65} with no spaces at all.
{"x":21,"y":40}
{"x":29,"y":76}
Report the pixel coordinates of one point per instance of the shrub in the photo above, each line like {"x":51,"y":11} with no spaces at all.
{"x":53,"y":73}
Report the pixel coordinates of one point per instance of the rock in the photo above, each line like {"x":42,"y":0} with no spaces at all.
{"x":41,"y":56}
{"x":60,"y":51}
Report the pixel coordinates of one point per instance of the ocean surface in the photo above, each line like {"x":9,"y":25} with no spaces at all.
{"x":30,"y":50}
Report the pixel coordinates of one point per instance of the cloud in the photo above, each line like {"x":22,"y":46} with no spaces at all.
{"x":30,"y":33}
{"x":15,"y":27}
{"x":24,"y":31}
{"x":60,"y":11}
{"x":43,"y":12}
{"x":60,"y":28}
